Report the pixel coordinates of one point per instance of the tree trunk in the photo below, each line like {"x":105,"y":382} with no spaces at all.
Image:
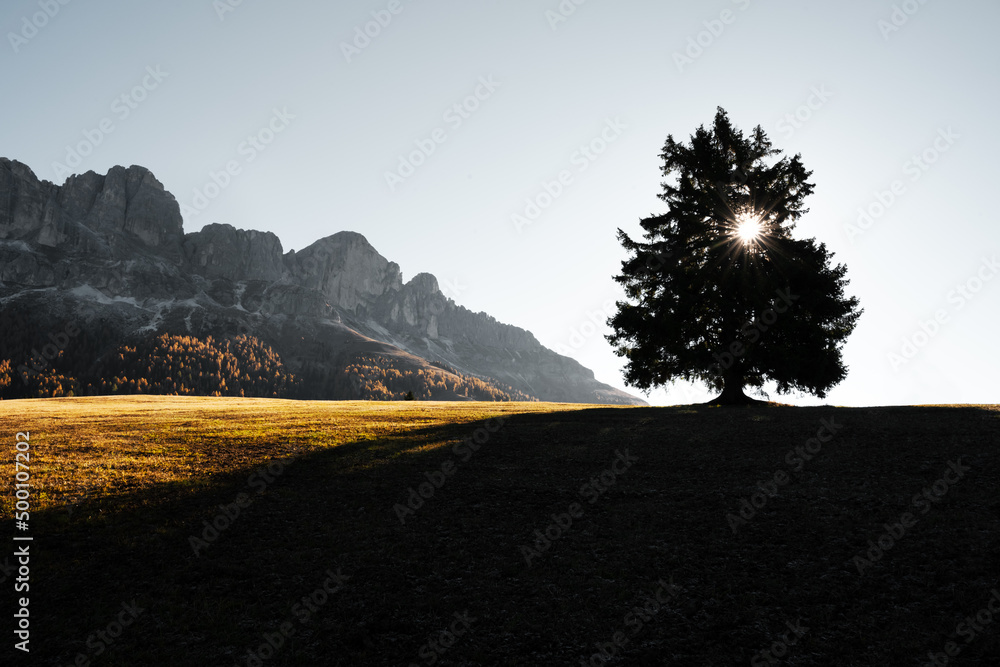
{"x":732,"y":391}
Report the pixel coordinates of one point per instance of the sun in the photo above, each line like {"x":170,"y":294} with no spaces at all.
{"x":748,"y":227}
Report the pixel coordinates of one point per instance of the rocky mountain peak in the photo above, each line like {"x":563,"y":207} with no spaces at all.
{"x":130,"y":201}
{"x":346,"y":269}
{"x":222,"y":251}
{"x":91,"y":214}
{"x":18,"y":169}
{"x":423,"y":283}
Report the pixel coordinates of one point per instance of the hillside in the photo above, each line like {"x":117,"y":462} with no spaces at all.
{"x":534,"y":533}
{"x":237,"y":366}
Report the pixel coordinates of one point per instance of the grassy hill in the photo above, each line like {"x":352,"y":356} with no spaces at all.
{"x":220,"y":531}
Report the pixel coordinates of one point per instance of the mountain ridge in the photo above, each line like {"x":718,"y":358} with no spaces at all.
{"x":112,"y":248}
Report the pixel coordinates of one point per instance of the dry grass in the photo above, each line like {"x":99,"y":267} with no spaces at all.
{"x":111,"y":446}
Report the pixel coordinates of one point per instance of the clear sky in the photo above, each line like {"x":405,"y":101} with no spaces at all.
{"x":892,"y":104}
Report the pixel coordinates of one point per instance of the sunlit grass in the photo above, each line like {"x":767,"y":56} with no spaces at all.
{"x":103,"y":446}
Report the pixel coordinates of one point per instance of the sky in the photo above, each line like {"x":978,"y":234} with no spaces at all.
{"x":501,"y":145}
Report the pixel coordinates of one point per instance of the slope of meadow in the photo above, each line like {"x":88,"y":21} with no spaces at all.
{"x":200,"y":531}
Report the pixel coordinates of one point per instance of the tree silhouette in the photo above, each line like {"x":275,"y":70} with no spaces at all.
{"x":720,"y":292}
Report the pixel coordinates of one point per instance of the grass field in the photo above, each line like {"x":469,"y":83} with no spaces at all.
{"x":867,"y":537}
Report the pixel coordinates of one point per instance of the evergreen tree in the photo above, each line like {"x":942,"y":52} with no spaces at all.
{"x":720,"y":292}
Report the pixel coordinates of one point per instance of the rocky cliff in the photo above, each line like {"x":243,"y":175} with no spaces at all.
{"x":89,"y":213}
{"x":346,"y":269}
{"x":222,"y":251}
{"x":110,"y":253}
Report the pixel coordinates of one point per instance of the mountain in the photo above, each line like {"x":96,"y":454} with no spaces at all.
{"x":107,"y":257}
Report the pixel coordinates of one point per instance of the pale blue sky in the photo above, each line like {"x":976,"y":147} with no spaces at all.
{"x":278,"y":69}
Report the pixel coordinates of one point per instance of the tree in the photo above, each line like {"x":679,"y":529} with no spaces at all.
{"x":6,"y":377}
{"x":720,"y":292}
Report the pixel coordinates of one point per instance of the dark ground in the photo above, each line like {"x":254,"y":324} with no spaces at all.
{"x":658,"y":526}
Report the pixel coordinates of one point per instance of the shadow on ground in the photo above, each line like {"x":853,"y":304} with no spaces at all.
{"x":657,"y":490}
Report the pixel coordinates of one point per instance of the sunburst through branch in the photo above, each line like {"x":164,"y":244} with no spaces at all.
{"x":748,"y":228}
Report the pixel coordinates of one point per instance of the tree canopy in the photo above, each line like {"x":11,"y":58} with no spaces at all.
{"x":720,"y":291}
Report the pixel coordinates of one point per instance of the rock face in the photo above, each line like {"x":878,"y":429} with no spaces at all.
{"x":222,"y":251}
{"x":91,"y":214}
{"x":346,"y":269}
{"x":27,"y":205}
{"x":415,"y":307}
{"x":110,"y":251}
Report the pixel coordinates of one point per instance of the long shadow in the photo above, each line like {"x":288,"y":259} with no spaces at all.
{"x":403,"y":541}
{"x":154,"y":543}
